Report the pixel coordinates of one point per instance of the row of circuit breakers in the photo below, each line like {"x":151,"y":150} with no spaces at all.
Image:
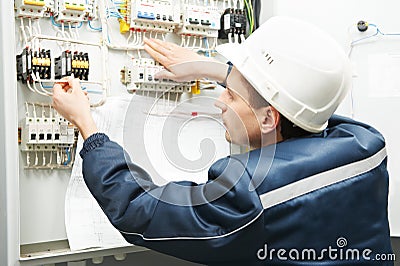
{"x":144,"y":15}
{"x":47,"y":139}
{"x":188,"y":20}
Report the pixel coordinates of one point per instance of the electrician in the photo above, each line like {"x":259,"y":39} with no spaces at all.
{"x":314,"y":185}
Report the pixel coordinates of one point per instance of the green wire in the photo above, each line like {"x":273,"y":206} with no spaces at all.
{"x":250,"y":14}
{"x":252,"y":17}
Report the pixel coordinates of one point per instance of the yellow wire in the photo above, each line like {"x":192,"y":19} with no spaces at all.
{"x":250,"y":15}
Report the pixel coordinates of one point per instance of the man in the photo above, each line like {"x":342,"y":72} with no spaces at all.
{"x":312,"y":190}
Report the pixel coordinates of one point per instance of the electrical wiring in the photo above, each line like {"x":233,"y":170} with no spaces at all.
{"x":207,"y":48}
{"x":377,"y":32}
{"x":250,"y":15}
{"x":256,"y":6}
{"x":67,"y":152}
{"x":23,"y":33}
{"x":54,"y":23}
{"x":93,"y":28}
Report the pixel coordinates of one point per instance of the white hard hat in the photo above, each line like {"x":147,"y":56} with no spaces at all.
{"x":299,"y":69}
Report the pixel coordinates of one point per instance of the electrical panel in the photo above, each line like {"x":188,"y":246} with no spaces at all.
{"x":100,"y":42}
{"x":38,"y":66}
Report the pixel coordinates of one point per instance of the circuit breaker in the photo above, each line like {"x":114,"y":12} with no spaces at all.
{"x":202,"y":21}
{"x":33,"y":8}
{"x":150,"y":15}
{"x":142,"y":77}
{"x":47,"y":139}
{"x":71,"y":10}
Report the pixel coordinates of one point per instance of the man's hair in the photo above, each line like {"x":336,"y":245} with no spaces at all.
{"x":288,"y":128}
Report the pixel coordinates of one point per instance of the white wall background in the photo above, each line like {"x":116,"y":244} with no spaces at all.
{"x":339,"y":19}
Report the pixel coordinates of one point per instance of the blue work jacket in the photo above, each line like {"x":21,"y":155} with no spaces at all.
{"x":315,"y":200}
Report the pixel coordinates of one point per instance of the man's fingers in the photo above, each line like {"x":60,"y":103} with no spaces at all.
{"x":57,"y":88}
{"x":158,"y":45}
{"x":165,"y":74}
{"x":155,"y":54}
{"x":166,"y":45}
{"x":74,"y":84}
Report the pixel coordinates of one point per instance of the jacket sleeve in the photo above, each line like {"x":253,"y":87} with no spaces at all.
{"x":220,"y":220}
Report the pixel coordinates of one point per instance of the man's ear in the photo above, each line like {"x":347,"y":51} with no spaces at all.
{"x":269,"y":119}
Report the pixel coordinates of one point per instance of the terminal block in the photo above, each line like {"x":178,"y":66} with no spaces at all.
{"x":233,"y":21}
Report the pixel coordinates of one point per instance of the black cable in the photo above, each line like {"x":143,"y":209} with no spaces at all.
{"x":256,"y":9}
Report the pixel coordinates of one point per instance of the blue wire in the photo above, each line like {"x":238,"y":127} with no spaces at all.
{"x":94,"y":91}
{"x":83,"y":88}
{"x":65,"y":26}
{"x":364,"y":38}
{"x":378,"y":31}
{"x":46,"y":87}
{"x":97,"y":29}
{"x":205,"y":43}
{"x":68,"y":157}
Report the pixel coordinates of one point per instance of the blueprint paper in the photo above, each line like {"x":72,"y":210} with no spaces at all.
{"x":147,"y":129}
{"x":86,"y":224}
